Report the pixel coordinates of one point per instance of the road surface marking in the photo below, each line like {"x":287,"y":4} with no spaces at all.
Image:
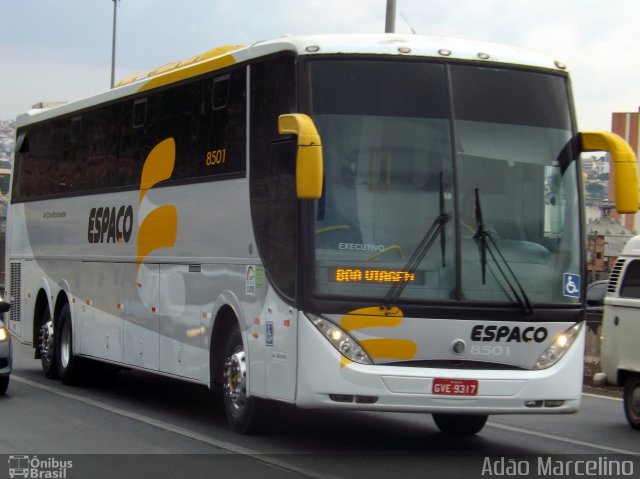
{"x":561,"y":438}
{"x":599,"y":396}
{"x":227,"y":446}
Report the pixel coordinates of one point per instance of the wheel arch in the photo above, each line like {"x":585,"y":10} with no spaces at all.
{"x":225,"y":320}
{"x":623,"y":374}
{"x":62,"y":299}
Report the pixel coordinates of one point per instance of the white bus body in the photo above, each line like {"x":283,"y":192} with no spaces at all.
{"x":156,"y":226}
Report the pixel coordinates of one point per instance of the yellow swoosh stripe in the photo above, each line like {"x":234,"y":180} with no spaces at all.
{"x":371,"y":317}
{"x":158,"y":230}
{"x":389,"y":348}
{"x":158,"y":166}
{"x":344,"y":361}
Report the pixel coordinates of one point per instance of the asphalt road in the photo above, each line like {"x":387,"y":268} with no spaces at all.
{"x":139,"y":425}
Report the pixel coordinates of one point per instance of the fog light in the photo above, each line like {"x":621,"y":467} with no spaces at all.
{"x":533,"y":403}
{"x":366,"y":399}
{"x":341,"y":397}
{"x":553,"y":403}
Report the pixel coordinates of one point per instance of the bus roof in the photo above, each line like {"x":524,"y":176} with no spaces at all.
{"x":372,"y":44}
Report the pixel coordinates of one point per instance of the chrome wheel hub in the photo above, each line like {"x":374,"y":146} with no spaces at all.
{"x":235,"y":380}
{"x":65,"y":345}
{"x":45,"y":340}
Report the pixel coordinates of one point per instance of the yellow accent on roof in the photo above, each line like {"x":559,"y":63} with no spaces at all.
{"x":171,"y":72}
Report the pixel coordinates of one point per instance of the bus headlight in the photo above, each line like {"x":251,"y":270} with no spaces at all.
{"x":560,"y":346}
{"x":4,"y":335}
{"x":339,"y":339}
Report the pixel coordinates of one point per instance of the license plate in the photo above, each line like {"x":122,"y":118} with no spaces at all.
{"x":455,"y":387}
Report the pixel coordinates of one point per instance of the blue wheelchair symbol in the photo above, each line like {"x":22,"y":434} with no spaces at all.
{"x":269,"y":334}
{"x":571,"y":285}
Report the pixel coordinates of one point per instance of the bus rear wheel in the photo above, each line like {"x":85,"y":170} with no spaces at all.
{"x":47,"y":344}
{"x":632,"y":400}
{"x":245,"y":414}
{"x":460,"y":424}
{"x":68,"y":364}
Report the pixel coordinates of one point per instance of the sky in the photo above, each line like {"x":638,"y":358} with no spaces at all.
{"x":52,"y":50}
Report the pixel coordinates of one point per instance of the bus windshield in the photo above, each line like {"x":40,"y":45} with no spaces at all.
{"x":407,"y":143}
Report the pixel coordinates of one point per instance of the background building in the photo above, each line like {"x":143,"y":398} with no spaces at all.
{"x":606,"y":238}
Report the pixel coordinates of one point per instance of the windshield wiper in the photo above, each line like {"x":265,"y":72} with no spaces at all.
{"x":437,"y":228}
{"x":487,"y":244}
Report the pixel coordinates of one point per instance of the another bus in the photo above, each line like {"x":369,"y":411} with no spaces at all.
{"x":361,"y":222}
{"x":5,"y":181}
{"x":5,"y":178}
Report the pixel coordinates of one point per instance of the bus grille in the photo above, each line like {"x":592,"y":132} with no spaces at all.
{"x":461,"y":364}
{"x":15,"y":313}
{"x":615,"y":275}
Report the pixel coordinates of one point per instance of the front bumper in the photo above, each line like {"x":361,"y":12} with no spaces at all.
{"x":326,"y":380}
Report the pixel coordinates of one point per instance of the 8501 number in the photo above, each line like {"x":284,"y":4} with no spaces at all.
{"x":216,"y":157}
{"x":487,"y":350}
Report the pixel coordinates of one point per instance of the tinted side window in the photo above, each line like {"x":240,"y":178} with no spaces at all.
{"x":631,"y":283}
{"x":24,"y":167}
{"x":39,"y":169}
{"x":179,"y":117}
{"x":95,"y":165}
{"x":222,"y":138}
{"x":272,"y":177}
{"x":220,"y":97}
{"x":138,"y":122}
{"x":106,"y":147}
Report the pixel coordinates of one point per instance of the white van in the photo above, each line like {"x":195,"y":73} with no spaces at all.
{"x":620,"y":353}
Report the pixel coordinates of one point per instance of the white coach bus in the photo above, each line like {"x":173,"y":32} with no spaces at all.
{"x":366,"y":222}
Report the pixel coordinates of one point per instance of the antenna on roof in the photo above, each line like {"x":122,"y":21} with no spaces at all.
{"x":408,"y":24}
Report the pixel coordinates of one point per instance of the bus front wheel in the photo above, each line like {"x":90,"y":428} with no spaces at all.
{"x":245,"y":414}
{"x":460,"y":424}
{"x":632,"y":400}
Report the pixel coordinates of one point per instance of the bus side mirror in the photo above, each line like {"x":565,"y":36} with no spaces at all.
{"x":623,"y":165}
{"x":309,"y":166}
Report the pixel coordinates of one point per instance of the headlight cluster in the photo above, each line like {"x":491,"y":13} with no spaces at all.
{"x":560,"y":346}
{"x":339,"y":339}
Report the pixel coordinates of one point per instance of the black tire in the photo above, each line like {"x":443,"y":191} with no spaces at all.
{"x":47,"y":344}
{"x":632,"y":400}
{"x":245,"y":415}
{"x":460,"y":424}
{"x":4,"y":384}
{"x":69,"y":366}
